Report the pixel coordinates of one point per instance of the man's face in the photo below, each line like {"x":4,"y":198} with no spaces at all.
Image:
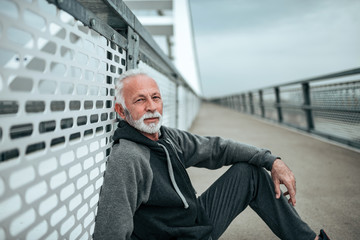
{"x":142,"y":99}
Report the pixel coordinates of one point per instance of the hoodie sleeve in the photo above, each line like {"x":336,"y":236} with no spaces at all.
{"x":127,"y":184}
{"x":215,"y":152}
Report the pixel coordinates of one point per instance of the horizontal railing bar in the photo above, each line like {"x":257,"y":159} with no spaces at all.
{"x":88,"y":18}
{"x":323,"y":77}
{"x":335,"y":138}
{"x":327,"y":76}
{"x":330,"y":109}
{"x":325,"y":135}
{"x":309,"y":107}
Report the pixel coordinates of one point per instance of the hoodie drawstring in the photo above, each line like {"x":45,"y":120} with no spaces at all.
{"x":172,"y":178}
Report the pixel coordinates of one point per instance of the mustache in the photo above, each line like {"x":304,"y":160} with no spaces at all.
{"x":155,"y":114}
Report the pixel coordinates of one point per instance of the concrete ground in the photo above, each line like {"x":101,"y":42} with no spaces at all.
{"x":328,"y":175}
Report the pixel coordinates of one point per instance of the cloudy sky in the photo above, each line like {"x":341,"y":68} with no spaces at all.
{"x":248,"y":44}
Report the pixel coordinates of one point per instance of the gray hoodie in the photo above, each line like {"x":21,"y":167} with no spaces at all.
{"x":147,"y":193}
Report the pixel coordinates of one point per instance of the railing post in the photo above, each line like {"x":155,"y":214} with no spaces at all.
{"x":251,"y":103}
{"x":243,"y":98}
{"x":238,"y":107}
{"x":261,"y":103}
{"x":278,"y":104}
{"x":307,"y":106}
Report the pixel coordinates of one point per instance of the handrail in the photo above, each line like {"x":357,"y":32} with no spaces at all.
{"x":341,"y":115}
{"x":313,"y":79}
{"x":322,"y":77}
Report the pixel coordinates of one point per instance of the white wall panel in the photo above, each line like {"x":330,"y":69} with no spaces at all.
{"x":56,"y":121}
{"x":57,"y":118}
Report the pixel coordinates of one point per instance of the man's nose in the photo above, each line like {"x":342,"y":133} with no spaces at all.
{"x":151,"y":106}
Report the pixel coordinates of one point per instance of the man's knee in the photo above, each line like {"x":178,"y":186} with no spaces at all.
{"x":249,"y":171}
{"x":244,"y":167}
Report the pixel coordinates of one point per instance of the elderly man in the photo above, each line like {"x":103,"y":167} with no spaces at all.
{"x":147,"y":193}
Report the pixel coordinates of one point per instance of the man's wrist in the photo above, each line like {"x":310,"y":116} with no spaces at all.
{"x":277,"y":158}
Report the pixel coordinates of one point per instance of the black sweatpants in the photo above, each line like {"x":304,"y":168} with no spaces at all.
{"x":247,"y":185}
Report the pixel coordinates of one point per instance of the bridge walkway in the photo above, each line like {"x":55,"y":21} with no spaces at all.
{"x":327,"y":175}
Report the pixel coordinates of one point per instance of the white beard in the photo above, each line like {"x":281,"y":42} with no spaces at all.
{"x":141,"y":126}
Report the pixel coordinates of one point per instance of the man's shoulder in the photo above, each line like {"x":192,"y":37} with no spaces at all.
{"x":129,"y":151}
{"x":174,"y":132}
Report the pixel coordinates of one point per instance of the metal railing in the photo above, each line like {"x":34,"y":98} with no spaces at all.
{"x":328,"y":105}
{"x":59,"y":60}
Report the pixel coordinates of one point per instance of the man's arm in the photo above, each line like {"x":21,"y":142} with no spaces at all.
{"x":215,"y":152}
{"x":126,"y":185}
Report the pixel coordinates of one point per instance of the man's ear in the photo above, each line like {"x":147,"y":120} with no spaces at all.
{"x":120,"y":110}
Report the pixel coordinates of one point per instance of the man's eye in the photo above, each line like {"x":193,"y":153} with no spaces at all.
{"x":139,"y":100}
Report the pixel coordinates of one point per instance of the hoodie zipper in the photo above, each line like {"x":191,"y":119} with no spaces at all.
{"x":181,"y":163}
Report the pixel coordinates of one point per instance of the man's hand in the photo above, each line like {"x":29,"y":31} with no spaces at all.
{"x":281,"y":174}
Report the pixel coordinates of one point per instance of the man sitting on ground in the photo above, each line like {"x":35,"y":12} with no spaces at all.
{"x":147,"y":193}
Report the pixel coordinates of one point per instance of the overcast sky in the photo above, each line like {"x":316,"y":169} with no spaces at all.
{"x":248,"y":44}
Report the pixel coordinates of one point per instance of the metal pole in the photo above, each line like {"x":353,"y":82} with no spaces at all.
{"x":307,"y":106}
{"x":278,"y":104}
{"x":262,"y":107}
{"x":251,"y":103}
{"x":243,"y":97}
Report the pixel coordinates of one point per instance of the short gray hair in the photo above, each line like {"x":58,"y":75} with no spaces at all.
{"x":119,"y":83}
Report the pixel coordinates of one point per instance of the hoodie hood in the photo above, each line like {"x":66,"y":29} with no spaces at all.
{"x":128,"y":132}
